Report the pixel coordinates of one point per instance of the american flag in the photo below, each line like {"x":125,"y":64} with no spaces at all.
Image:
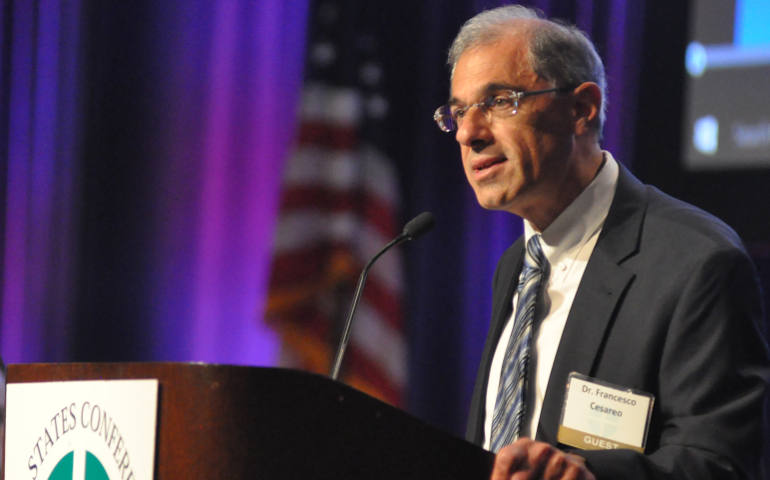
{"x":339,"y":207}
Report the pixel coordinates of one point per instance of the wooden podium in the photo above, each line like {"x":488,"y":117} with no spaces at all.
{"x":228,"y":422}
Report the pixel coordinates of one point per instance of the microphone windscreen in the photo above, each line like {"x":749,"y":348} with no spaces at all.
{"x":420,"y":224}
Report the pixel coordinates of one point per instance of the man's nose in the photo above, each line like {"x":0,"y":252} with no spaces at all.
{"x":473,"y":128}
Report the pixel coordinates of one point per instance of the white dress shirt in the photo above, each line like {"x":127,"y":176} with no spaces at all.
{"x":567,"y":244}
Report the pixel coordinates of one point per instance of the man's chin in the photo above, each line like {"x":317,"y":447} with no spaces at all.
{"x":490,"y":203}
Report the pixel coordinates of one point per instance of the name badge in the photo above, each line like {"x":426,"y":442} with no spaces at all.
{"x":597,"y":415}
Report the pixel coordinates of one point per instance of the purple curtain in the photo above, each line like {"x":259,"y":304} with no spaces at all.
{"x":224,"y":79}
{"x":39,"y":142}
{"x":234,"y":74}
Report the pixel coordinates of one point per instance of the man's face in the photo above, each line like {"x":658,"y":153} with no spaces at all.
{"x":515,"y":163}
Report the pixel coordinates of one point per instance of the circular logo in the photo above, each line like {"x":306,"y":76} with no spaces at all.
{"x":65,"y":469}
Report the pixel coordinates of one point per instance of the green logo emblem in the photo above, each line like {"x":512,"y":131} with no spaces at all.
{"x":93,"y":471}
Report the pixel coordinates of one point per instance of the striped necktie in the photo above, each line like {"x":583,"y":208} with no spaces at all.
{"x":510,"y":404}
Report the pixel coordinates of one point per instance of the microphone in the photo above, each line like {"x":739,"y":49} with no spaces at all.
{"x":417,"y":226}
{"x":414,"y":228}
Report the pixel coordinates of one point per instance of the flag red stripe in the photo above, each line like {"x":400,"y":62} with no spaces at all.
{"x":381,"y":300}
{"x":384,"y":301}
{"x":321,"y":134}
{"x":309,"y":264}
{"x":372,"y":209}
{"x":360,"y":364}
{"x":306,"y":318}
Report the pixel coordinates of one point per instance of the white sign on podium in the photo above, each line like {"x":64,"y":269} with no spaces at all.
{"x":81,"y":430}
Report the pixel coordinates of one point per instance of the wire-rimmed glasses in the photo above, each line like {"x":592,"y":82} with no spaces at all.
{"x":505,"y":103}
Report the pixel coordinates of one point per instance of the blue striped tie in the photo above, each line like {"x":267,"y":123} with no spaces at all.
{"x":511,"y":399}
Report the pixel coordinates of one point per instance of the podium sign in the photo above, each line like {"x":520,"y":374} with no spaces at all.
{"x":81,"y":430}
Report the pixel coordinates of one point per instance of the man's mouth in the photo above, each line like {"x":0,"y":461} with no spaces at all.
{"x":483,"y":165}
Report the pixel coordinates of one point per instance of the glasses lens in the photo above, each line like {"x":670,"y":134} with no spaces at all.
{"x":443,"y":117}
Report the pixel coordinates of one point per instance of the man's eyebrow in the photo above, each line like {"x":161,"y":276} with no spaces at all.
{"x":496,"y":87}
{"x":489,"y":89}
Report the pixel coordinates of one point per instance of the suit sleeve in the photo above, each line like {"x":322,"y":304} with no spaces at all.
{"x":712,"y":380}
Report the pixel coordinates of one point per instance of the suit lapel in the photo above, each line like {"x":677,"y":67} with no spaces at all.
{"x":601,"y":288}
{"x":504,"y":286}
{"x":507,"y":283}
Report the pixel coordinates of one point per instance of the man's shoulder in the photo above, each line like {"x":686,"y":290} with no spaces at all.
{"x":674,"y":223}
{"x":682,"y":224}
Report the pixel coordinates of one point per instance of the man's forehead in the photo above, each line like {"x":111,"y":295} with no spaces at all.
{"x":484,"y":68}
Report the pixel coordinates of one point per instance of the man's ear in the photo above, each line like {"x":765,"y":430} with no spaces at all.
{"x":586,"y":107}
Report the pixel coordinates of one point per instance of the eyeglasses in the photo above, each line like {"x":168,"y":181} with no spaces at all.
{"x":504,"y":104}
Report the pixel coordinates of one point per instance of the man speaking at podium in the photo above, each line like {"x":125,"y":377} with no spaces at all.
{"x":625,"y":337}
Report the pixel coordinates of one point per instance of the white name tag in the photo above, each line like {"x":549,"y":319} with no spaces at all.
{"x":597,"y":415}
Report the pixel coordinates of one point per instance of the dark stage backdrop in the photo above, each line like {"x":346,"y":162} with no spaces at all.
{"x":142,"y":145}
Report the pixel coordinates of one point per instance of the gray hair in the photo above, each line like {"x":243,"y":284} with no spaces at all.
{"x":559,"y":53}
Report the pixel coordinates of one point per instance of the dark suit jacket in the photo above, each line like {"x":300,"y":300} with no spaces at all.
{"x":669,"y":304}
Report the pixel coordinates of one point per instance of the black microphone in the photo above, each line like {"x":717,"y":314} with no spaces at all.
{"x":417,"y":226}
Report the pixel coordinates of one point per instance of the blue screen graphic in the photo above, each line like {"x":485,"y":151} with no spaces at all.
{"x":752,"y":23}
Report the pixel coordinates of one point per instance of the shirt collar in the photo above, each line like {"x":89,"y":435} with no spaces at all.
{"x":583,"y":217}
